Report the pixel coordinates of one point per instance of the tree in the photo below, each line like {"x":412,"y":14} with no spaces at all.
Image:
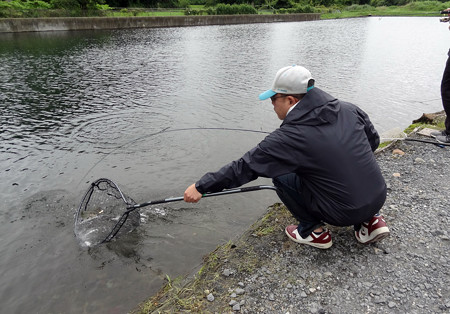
{"x":89,"y":4}
{"x":82,"y":5}
{"x":278,"y":4}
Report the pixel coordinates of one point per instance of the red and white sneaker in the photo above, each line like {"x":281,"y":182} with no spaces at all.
{"x":372,"y":231}
{"x":321,"y":241}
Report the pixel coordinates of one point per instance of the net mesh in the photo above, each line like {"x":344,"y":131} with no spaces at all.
{"x":104,"y":213}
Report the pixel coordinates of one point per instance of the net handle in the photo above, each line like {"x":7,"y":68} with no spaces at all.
{"x":224,"y":192}
{"x":130,"y":208}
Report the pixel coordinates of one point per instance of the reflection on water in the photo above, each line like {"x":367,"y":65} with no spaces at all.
{"x":76,"y":106}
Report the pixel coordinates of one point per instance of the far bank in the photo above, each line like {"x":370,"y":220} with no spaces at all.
{"x":16,"y":25}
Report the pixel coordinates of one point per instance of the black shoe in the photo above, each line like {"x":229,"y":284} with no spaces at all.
{"x":443,"y":138}
{"x":438,"y":133}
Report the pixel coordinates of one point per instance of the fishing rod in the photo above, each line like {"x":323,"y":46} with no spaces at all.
{"x":409,"y":139}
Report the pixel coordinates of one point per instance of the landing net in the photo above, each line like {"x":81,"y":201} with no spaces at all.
{"x":104,"y":213}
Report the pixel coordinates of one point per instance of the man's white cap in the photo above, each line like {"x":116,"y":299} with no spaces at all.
{"x":289,"y":80}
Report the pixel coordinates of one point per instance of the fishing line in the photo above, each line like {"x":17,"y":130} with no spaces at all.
{"x":425,"y":102}
{"x":167,"y":130}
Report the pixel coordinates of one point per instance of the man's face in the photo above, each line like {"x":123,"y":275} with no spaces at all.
{"x":281,"y":104}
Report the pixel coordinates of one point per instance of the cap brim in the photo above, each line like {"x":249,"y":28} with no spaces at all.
{"x":267,"y":94}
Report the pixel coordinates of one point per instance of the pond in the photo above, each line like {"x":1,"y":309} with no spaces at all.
{"x":153,"y":110}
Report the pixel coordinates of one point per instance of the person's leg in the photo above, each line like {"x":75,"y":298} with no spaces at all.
{"x":445,"y":93}
{"x":288,"y":190}
{"x":444,"y":136}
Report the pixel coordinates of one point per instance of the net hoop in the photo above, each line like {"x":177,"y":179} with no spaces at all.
{"x":116,"y":218}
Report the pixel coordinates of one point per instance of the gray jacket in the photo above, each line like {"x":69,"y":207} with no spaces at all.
{"x":329,"y":144}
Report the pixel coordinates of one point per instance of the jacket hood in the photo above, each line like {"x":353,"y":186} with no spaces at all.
{"x":316,"y":108}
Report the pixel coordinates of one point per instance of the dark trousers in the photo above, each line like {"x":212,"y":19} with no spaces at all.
{"x":445,"y":93}
{"x":289,"y":191}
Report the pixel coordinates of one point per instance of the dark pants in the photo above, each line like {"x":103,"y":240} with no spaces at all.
{"x":289,"y":191}
{"x":445,"y":93}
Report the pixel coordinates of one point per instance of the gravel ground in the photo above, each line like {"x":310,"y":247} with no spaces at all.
{"x":265,"y":272}
{"x":407,"y":273}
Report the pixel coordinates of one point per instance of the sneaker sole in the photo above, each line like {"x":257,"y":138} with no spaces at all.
{"x":379,"y":237}
{"x":317,"y":245}
{"x":381,"y":234}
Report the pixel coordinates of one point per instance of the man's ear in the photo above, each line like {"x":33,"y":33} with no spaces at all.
{"x":293,"y":99}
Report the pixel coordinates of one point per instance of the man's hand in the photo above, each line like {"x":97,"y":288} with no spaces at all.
{"x":191,"y":195}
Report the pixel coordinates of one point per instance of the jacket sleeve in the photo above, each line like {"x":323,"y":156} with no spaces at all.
{"x":369,"y":129}
{"x":261,"y":161}
{"x":232,"y":175}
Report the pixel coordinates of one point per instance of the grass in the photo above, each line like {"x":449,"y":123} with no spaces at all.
{"x":143,"y":12}
{"x":420,"y":8}
{"x":379,"y":11}
{"x":266,"y":227}
{"x":412,"y":9}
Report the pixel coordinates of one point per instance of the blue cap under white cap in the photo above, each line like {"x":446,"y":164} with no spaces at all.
{"x":289,"y":80}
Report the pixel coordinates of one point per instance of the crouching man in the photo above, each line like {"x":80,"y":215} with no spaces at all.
{"x":320,"y":159}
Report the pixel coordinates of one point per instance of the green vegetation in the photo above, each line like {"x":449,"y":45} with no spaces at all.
{"x":420,"y":8}
{"x":328,"y":8}
{"x":421,"y":125}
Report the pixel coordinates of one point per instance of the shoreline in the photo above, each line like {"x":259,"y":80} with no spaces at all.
{"x":262,"y":271}
{"x":18,"y":25}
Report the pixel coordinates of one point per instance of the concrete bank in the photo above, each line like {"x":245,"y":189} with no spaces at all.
{"x":94,"y":23}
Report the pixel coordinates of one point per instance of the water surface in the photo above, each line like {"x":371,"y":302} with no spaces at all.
{"x":144,"y":108}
